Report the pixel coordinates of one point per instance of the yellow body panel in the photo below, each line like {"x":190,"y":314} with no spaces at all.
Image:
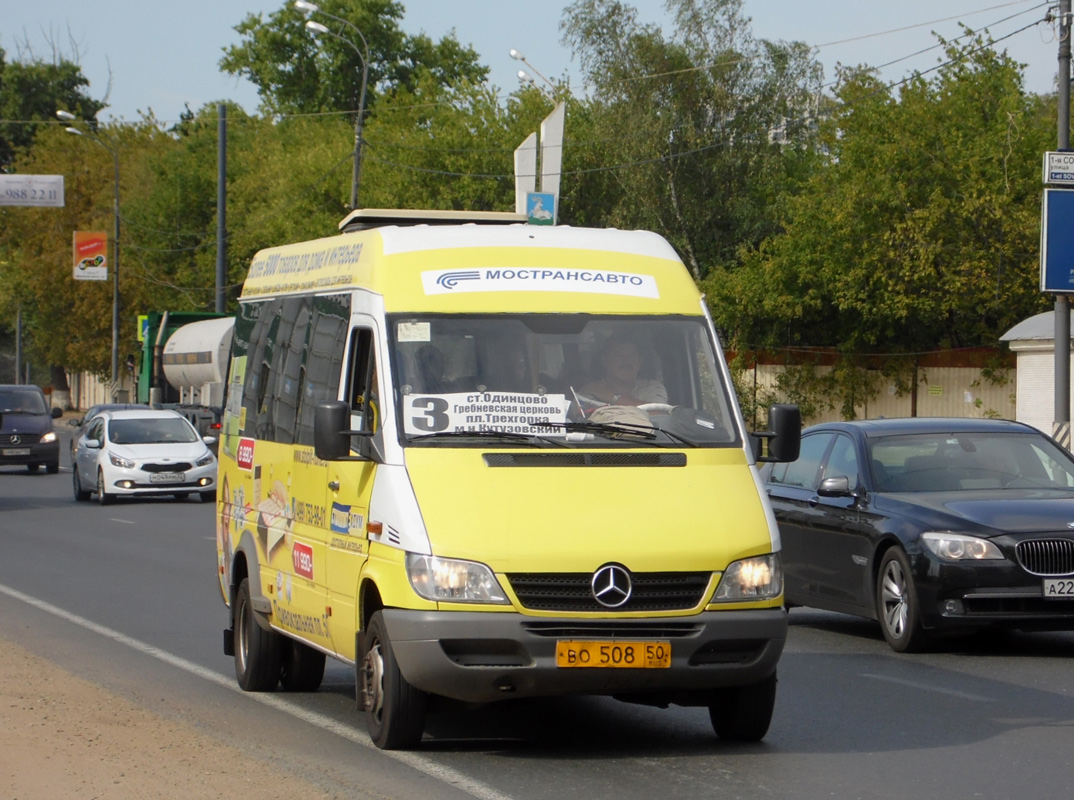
{"x":574,"y":519}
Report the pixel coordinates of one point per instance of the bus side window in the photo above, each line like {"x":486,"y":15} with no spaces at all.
{"x":362,"y":389}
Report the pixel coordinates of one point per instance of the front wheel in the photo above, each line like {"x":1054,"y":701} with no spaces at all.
{"x":52,"y":467}
{"x":103,"y":497}
{"x":896,"y":604}
{"x":257,"y":651}
{"x":395,"y":710}
{"x":81,"y":494}
{"x":743,"y":713}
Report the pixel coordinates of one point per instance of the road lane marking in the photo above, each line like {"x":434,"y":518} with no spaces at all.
{"x":929,"y":687}
{"x":416,"y":761}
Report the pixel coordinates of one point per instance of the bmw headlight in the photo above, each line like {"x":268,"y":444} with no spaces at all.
{"x":205,"y":460}
{"x":48,"y":437}
{"x":449,"y":580}
{"x":758,"y":578}
{"x":960,"y":547}
{"x":120,"y":461}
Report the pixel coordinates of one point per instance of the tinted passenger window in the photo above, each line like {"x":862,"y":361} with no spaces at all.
{"x":805,"y":472}
{"x":843,"y":460}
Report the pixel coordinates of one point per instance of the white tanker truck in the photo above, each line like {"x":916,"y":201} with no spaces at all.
{"x":194,"y":361}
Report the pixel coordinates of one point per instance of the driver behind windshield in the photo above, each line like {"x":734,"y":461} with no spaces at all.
{"x":619,"y":384}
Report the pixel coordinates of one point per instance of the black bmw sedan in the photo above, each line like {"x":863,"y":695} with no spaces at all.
{"x":929,"y":525}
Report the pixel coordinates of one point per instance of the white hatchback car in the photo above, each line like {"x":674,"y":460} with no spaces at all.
{"x":126,"y":453}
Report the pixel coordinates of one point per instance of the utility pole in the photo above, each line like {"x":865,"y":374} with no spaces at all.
{"x":1061,"y":425}
{"x":221,"y":209}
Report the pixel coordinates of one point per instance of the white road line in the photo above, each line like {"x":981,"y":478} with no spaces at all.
{"x":930,"y":688}
{"x":414,"y":760}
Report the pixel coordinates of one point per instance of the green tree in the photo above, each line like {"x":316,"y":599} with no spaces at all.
{"x":693,"y":135}
{"x":31,"y":91}
{"x":920,"y":232}
{"x":68,"y":322}
{"x":296,"y":72}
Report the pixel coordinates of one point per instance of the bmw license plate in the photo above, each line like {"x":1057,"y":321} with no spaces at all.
{"x":1059,"y":588}
{"x":17,"y":451}
{"x":613,"y":654}
{"x":167,"y":477}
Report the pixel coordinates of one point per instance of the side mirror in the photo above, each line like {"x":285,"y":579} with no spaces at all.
{"x":93,"y":444}
{"x":74,"y":423}
{"x":784,"y":435}
{"x":834,"y":487}
{"x":209,"y":439}
{"x":332,"y":433}
{"x":56,"y":412}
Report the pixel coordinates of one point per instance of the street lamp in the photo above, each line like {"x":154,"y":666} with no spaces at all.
{"x":525,"y":76}
{"x":363,"y":56}
{"x":67,"y":116}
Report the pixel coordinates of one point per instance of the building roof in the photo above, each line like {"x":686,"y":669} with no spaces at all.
{"x":1041,"y":326}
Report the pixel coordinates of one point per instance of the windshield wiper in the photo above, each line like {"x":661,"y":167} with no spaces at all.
{"x":503,"y":436}
{"x":617,"y":429}
{"x":603,"y":428}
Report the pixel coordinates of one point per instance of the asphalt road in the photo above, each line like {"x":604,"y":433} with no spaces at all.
{"x":126,"y":596}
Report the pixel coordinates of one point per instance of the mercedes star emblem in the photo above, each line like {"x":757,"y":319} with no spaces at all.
{"x":611,"y":585}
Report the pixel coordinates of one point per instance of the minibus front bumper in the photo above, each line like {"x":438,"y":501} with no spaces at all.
{"x":486,"y":656}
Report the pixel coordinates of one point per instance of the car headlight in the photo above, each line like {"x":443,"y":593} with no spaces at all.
{"x":205,"y":460}
{"x":450,"y":580}
{"x":119,"y":461}
{"x":960,"y":547}
{"x":48,"y":437}
{"x":758,"y":578}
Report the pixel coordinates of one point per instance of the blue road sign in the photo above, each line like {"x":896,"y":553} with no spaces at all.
{"x":541,"y":208}
{"x":1057,"y":241}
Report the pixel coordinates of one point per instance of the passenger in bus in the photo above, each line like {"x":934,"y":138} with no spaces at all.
{"x":619,"y":384}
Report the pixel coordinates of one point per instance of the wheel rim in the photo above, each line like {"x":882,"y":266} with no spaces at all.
{"x":893,"y":597}
{"x":243,"y":649}
{"x":373,"y":681}
{"x":100,"y":486}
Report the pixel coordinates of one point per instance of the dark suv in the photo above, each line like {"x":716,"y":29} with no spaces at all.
{"x":26,"y":434}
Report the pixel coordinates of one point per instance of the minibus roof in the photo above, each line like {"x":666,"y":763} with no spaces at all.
{"x":448,"y":267}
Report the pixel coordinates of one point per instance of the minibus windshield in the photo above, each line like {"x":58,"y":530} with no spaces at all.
{"x":559,"y":379}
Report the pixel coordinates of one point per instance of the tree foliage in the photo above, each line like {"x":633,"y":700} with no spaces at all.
{"x":692,"y":122}
{"x":31,"y":90}
{"x":874,"y":220}
{"x":298,"y":72}
{"x":920,"y":231}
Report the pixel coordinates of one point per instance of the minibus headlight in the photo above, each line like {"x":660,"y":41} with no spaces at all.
{"x":759,"y":578}
{"x":448,"y":580}
{"x":48,"y":437}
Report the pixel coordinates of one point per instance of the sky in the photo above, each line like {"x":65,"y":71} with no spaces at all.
{"x":162,"y":56}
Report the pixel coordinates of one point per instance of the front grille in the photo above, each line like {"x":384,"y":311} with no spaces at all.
{"x":24,"y":439}
{"x":599,"y":629}
{"x":180,"y":466}
{"x":1047,"y":556}
{"x":572,"y":591}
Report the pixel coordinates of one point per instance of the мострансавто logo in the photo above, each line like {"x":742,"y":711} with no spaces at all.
{"x":539,"y":279}
{"x":451,"y":279}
